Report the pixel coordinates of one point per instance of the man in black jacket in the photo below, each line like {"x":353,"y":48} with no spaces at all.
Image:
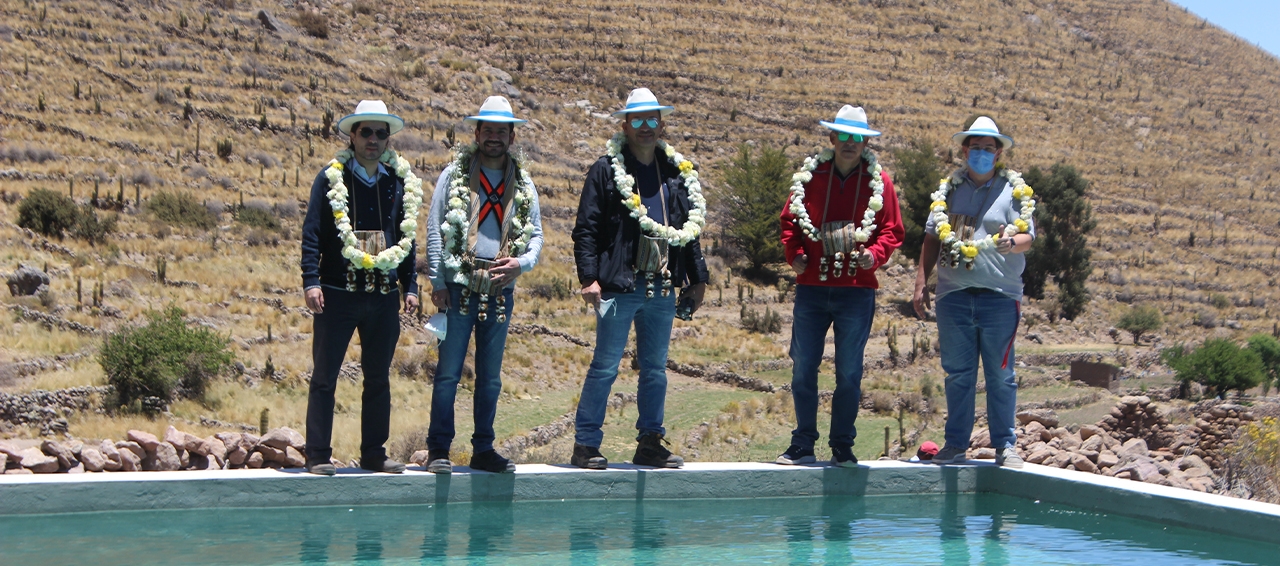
{"x":635,"y":240}
{"x":357,"y":258}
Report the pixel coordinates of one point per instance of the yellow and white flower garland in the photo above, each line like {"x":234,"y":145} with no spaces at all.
{"x":457,"y":219}
{"x":626,"y":185}
{"x":966,"y":250}
{"x":390,"y":258}
{"x":805,"y":175}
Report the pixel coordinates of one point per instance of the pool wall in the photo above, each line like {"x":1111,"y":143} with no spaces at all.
{"x":62,"y":493}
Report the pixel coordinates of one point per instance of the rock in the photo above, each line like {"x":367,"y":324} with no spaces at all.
{"x":1094,"y":443}
{"x":1045,"y":417}
{"x":1083,"y":463}
{"x":75,"y":445}
{"x":1201,"y":484}
{"x":134,"y":447}
{"x":229,"y":439}
{"x":184,"y":441}
{"x":175,"y":437}
{"x":93,"y":459}
{"x":1092,"y":455}
{"x":419,"y":458}
{"x":38,"y":462}
{"x":214,"y":447}
{"x":294,"y":458}
{"x":984,"y":454}
{"x":197,"y":462}
{"x":76,"y":469}
{"x":249,"y":441}
{"x":272,"y":23}
{"x":18,"y":471}
{"x":4,"y":461}
{"x":1060,"y":459}
{"x":197,"y":446}
{"x":237,"y":456}
{"x":1142,"y":469}
{"x":66,"y":460}
{"x":129,"y":460}
{"x":1089,"y":431}
{"x":166,"y":458}
{"x":26,"y":281}
{"x":255,"y":460}
{"x":1107,"y":459}
{"x":495,"y":72}
{"x":1193,"y":462}
{"x":980,"y":439}
{"x":1135,"y":447}
{"x":1039,"y":456}
{"x":146,"y":440}
{"x":1070,"y":442}
{"x":12,"y":450}
{"x":1135,"y":401}
{"x":1033,"y":429}
{"x":283,"y":437}
{"x":270,"y":454}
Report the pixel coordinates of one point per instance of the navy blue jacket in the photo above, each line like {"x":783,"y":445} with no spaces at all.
{"x":322,"y":261}
{"x":606,"y":237}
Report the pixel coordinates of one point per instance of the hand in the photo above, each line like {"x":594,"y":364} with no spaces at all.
{"x":504,"y":271}
{"x":410,"y":304}
{"x":800,"y":263}
{"x":440,"y":299}
{"x":865,"y":259}
{"x":920,"y":300}
{"x":1004,"y":244}
{"x":696,"y":293}
{"x":591,"y":294}
{"x":315,"y":300}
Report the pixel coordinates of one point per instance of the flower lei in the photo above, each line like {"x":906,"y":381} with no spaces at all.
{"x":626,"y":185}
{"x":457,"y":220}
{"x":806,"y":174}
{"x":391,"y":257}
{"x":966,"y":250}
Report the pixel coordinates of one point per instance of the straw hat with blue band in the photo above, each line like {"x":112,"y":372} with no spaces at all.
{"x":370,"y":111}
{"x":643,"y":100}
{"x":985,"y":127}
{"x":851,"y":120}
{"x":494,"y":109}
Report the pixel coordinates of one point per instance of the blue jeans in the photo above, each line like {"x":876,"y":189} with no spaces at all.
{"x":817,"y":308}
{"x":969,"y":326}
{"x":652,"y":318}
{"x":491,"y":341}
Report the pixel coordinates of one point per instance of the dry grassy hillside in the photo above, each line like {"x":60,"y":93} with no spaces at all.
{"x":1171,"y":119}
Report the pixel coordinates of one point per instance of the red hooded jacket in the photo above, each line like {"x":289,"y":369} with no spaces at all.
{"x":886,"y":238}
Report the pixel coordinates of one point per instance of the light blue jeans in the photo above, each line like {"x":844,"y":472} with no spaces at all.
{"x":850,"y":310}
{"x":972,"y":326}
{"x":652,"y":318}
{"x":491,"y":342}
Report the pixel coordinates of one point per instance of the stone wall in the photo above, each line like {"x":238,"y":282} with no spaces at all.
{"x":143,"y":451}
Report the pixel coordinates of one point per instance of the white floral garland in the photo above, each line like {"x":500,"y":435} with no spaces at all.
{"x":966,"y":250}
{"x":805,"y":175}
{"x":390,"y":258}
{"x":457,"y":219}
{"x":626,"y":185}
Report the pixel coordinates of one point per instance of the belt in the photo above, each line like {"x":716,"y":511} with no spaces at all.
{"x":978,"y":290}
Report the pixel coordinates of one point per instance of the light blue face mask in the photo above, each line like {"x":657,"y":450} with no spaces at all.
{"x":981,"y":161}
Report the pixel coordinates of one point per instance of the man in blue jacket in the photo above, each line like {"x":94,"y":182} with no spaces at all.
{"x":635,"y":242}
{"x":357,"y":260}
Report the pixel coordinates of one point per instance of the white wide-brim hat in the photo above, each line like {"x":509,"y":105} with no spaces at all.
{"x":370,"y":111}
{"x":985,"y":127}
{"x":851,"y":120}
{"x":494,"y":109}
{"x":643,"y":100}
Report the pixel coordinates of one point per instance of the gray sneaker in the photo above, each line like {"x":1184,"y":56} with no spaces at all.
{"x":949,"y":455}
{"x":438,"y":462}
{"x":1009,"y":458}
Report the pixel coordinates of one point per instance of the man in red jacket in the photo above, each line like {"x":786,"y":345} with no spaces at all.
{"x":840,"y":224}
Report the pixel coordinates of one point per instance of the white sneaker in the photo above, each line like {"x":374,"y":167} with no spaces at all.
{"x":949,"y":455}
{"x":1009,"y":458}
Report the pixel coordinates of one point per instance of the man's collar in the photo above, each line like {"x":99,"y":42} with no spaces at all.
{"x":360,"y":171}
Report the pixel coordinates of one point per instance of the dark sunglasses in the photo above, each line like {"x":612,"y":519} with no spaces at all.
{"x":846,"y":137}
{"x":370,"y":132}
{"x":651,"y":122}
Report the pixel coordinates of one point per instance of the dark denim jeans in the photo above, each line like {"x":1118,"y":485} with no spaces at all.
{"x":652,"y":319}
{"x":817,"y":308}
{"x":972,"y":326}
{"x":491,"y":341}
{"x":377,"y":318}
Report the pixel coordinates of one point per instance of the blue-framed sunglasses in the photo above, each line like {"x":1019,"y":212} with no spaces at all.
{"x":843,"y":137}
{"x":651,"y":122}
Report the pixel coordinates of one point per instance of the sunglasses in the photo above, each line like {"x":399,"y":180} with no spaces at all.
{"x":651,"y":122}
{"x":846,"y":137}
{"x":370,"y":132}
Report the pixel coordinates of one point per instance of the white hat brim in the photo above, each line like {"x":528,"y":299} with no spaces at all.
{"x":394,"y":123}
{"x":662,"y":110}
{"x":473,"y":120}
{"x":844,"y":128}
{"x":1006,"y":142}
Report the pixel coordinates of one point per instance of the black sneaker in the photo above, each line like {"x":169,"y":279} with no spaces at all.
{"x":651,"y":452}
{"x":321,"y":468}
{"x":796,"y":455}
{"x":387,"y":466}
{"x":491,"y":461}
{"x":588,"y":457}
{"x":438,"y":462}
{"x":843,"y":456}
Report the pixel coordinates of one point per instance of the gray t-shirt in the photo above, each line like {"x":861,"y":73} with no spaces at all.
{"x":987,"y":208}
{"x":489,"y":236}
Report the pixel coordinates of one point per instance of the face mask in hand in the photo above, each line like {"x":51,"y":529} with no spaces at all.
{"x":981,"y":161}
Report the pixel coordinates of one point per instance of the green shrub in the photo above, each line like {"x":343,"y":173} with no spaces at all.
{"x":257,"y":218}
{"x":1139,"y":320}
{"x":1220,"y":365}
{"x":180,"y":209}
{"x":768,"y":323}
{"x":1219,"y":301}
{"x":315,"y":25}
{"x":1268,"y":350}
{"x":92,"y":229}
{"x":166,"y":359}
{"x":47,"y":213}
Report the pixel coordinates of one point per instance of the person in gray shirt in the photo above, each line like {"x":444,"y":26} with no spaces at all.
{"x":979,"y":229}
{"x":484,"y":231}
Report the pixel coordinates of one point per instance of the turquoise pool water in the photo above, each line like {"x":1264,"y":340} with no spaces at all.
{"x":925,"y":529}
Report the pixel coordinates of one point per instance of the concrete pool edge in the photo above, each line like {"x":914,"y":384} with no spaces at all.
{"x":62,"y":493}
